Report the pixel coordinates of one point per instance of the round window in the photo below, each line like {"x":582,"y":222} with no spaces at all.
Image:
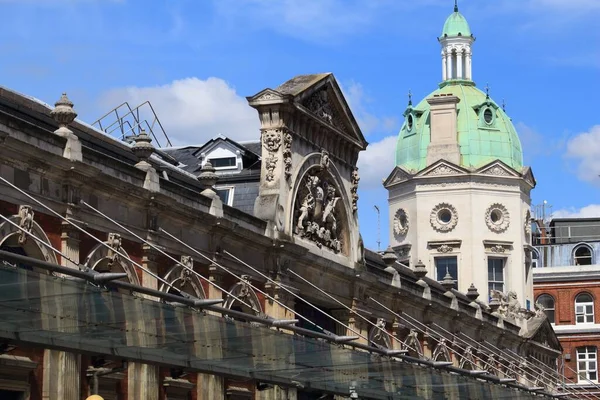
{"x":496,"y":216}
{"x":409,"y":122}
{"x":488,"y":116}
{"x":444,"y":216}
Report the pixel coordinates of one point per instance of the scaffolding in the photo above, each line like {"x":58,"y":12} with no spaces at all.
{"x":125,"y":122}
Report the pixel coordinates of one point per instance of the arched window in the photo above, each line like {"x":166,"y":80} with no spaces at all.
{"x":582,"y":255}
{"x":547,"y":302}
{"x":584,"y":309}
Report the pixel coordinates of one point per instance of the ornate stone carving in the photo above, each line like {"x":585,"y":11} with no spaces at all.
{"x":271,"y":139}
{"x":509,"y":306}
{"x":442,"y":170}
{"x":443,"y":217}
{"x":317,"y":212}
{"x":378,"y":335}
{"x":318,"y":103}
{"x":325,"y":159}
{"x":497,"y":218}
{"x":287,"y":155}
{"x":25,"y":222}
{"x":354,"y":189}
{"x":496,"y":170}
{"x":445,"y":249}
{"x":268,"y":96}
{"x":114,"y":242}
{"x":270,"y":165}
{"x":401,"y":223}
{"x":527,"y":225}
{"x":441,"y":352}
{"x":497,"y":249}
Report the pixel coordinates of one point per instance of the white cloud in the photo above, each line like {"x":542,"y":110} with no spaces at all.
{"x":193,"y":110}
{"x":584,"y":148}
{"x":589,"y":211}
{"x":377,"y":162}
{"x":358,"y":101}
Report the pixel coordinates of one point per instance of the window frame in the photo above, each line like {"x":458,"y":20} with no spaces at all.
{"x":580,"y":247}
{"x":585,"y":304}
{"x":231,"y":190}
{"x":435,"y":263}
{"x":234,"y":166}
{"x":587,"y":351}
{"x":492,"y":282}
{"x":547,"y":309}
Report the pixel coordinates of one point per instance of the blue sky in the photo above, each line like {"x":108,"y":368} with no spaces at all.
{"x":196,"y":60}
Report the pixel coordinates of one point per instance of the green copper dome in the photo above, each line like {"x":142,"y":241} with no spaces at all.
{"x":485,"y":132}
{"x":456,"y":25}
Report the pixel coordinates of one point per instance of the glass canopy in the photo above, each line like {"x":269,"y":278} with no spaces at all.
{"x":70,"y":314}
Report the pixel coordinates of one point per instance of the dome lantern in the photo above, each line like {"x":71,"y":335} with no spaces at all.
{"x":456,"y":41}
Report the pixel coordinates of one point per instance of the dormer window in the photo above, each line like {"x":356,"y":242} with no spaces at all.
{"x":224,"y":162}
{"x":409,"y":122}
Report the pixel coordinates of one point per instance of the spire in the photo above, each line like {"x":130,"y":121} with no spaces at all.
{"x":487,"y":91}
{"x":409,"y":97}
{"x":455,"y":5}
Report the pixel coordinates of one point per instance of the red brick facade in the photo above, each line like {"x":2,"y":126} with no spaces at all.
{"x":564,"y":294}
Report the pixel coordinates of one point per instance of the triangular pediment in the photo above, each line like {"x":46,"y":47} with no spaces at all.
{"x":528,"y":176}
{"x":498,"y":168}
{"x":267,"y":96}
{"x":320,"y":96}
{"x":442,"y":167}
{"x":542,"y":333}
{"x":397,"y":175}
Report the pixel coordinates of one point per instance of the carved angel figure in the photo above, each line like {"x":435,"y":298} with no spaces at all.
{"x":330,"y":202}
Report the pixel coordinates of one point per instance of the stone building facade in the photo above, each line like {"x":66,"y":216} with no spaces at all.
{"x":567,"y":284}
{"x":307,"y":312}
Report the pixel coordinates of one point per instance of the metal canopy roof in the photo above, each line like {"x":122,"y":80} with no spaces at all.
{"x":70,"y":314}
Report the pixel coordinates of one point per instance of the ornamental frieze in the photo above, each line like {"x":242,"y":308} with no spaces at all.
{"x":318,"y":103}
{"x":318,"y":211}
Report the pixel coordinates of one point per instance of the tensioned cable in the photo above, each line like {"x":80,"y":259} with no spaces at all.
{"x":289,"y":291}
{"x":90,"y":235}
{"x":350,"y":309}
{"x":462,"y":357}
{"x":518,"y":359}
{"x":169,"y":256}
{"x":296,"y":296}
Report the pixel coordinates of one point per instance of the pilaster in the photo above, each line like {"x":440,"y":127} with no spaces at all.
{"x":143,"y":379}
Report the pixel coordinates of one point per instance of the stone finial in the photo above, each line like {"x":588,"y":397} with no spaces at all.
{"x":208,"y":178}
{"x":448,"y":282}
{"x":64,"y":114}
{"x":494,"y":305}
{"x":142,"y":147}
{"x":420,"y":270}
{"x":63,"y":111}
{"x":472,"y":293}
{"x":389,"y":256}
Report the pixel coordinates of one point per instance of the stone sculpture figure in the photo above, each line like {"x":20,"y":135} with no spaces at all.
{"x":316,"y":213}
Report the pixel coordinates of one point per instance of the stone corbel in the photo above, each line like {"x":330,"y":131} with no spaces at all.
{"x":497,"y":246}
{"x":445,"y":246}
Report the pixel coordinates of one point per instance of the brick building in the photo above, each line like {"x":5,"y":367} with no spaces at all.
{"x":567,"y":284}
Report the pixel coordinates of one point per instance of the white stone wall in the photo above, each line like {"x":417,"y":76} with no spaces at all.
{"x":471,"y":198}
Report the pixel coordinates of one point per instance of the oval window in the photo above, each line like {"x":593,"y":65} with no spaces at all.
{"x":488,"y":116}
{"x":409,"y":122}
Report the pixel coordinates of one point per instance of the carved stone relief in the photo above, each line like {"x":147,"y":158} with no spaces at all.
{"x":287,"y":155}
{"x":317,"y":211}
{"x":378,"y":336}
{"x":443,"y":170}
{"x":496,"y":170}
{"x":401,"y":223}
{"x":443,"y":217}
{"x":25,"y":222}
{"x":271,"y":141}
{"x":318,"y":103}
{"x":114,"y":242}
{"x":497,"y":218}
{"x":527,"y":225}
{"x":354,"y":189}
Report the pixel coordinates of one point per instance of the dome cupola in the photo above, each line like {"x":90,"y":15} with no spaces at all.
{"x":456,"y":41}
